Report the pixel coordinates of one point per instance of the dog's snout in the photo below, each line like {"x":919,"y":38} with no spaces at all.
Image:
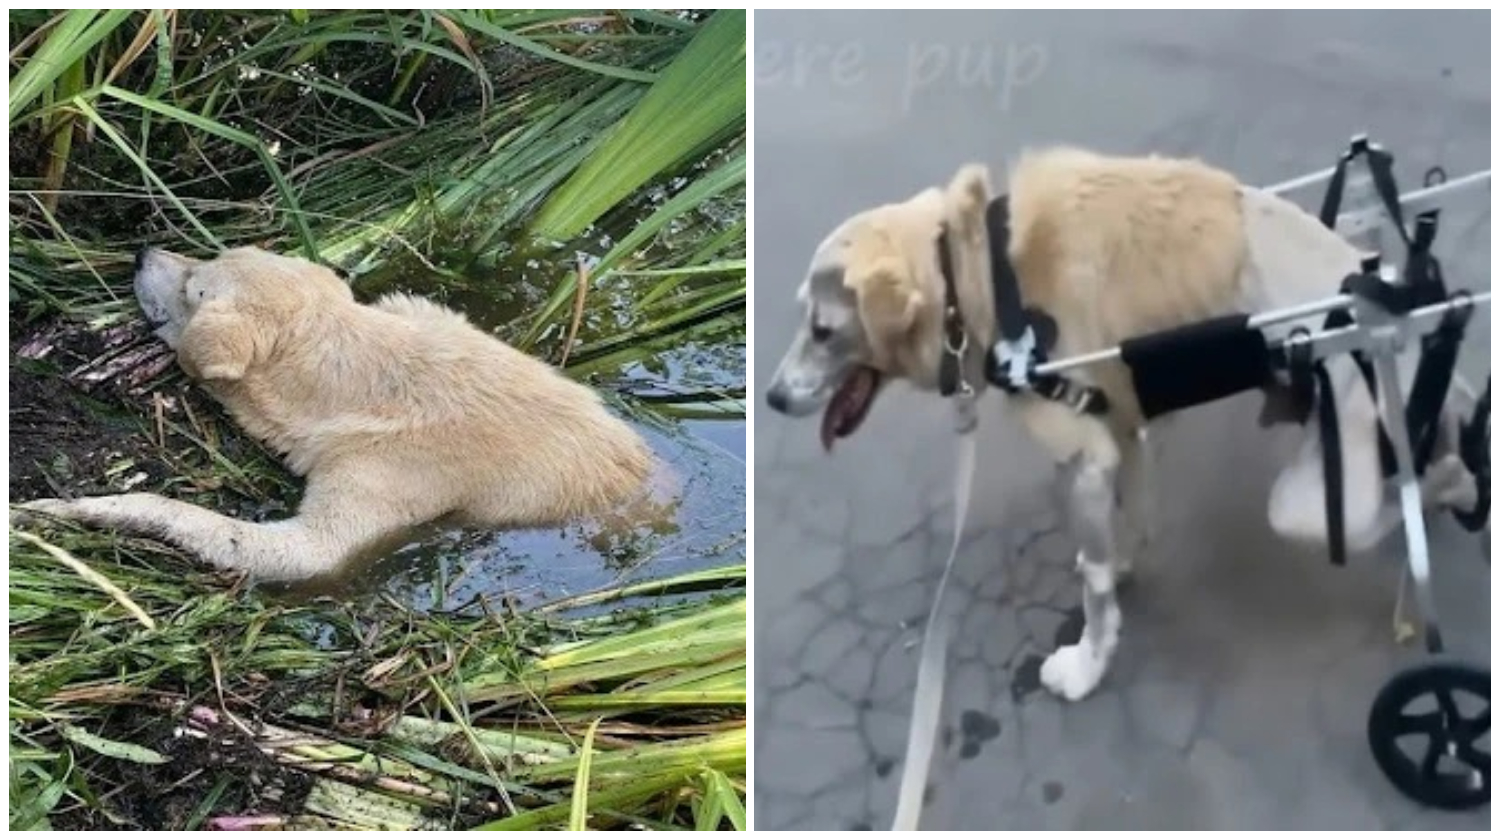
{"x":777,"y":398}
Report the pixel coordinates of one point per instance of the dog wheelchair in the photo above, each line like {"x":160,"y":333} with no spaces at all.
{"x":1379,"y":313}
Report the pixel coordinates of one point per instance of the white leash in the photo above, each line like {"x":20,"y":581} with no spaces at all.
{"x":927,"y":703}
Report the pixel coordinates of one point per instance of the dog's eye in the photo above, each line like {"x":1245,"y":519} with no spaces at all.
{"x":821,"y":333}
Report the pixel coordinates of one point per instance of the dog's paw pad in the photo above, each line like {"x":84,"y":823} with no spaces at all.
{"x":1072,"y":672}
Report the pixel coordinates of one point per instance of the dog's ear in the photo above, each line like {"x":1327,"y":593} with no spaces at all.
{"x":220,"y":343}
{"x":888,"y":301}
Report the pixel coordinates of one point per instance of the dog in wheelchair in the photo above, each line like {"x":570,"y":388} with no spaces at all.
{"x":1104,"y":249}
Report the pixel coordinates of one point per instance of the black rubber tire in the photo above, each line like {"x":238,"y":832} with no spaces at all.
{"x":1446,"y":731}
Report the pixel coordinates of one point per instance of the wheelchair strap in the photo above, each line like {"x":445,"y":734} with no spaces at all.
{"x":1424,"y":405}
{"x":1382,"y":171}
{"x":1311,"y":382}
{"x":1423,"y":276}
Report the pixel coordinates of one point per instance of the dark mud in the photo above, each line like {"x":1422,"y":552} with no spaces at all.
{"x":95,"y":412}
{"x":217,"y":773}
{"x":65,"y":437}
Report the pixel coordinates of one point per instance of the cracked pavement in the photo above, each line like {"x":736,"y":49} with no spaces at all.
{"x":1246,"y":668}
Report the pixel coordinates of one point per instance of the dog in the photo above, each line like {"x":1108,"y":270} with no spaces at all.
{"x":398,"y":414}
{"x":1110,"y":248}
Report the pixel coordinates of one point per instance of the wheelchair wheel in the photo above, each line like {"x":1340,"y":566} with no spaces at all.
{"x":1429,"y":731}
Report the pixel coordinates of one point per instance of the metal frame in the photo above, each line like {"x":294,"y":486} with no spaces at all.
{"x":1380,"y":335}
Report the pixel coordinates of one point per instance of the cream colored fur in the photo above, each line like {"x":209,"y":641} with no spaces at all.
{"x":398,"y":413}
{"x":1112,"y":248}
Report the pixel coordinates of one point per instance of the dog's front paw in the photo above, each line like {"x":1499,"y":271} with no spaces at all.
{"x":1072,"y":672}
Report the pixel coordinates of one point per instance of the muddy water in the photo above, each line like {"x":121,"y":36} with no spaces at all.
{"x":701,"y":525}
{"x":699,"y":517}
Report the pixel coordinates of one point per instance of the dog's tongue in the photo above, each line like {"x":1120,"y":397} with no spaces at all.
{"x":849,"y":405}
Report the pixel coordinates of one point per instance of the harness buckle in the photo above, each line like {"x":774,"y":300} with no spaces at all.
{"x":1013,"y":360}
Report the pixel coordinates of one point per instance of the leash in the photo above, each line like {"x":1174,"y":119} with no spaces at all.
{"x":927,"y":702}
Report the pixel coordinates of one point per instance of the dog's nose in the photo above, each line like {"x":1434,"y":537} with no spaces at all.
{"x":776,"y":397}
{"x":140,"y":258}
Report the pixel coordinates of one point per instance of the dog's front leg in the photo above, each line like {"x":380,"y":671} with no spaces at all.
{"x":1135,"y":513}
{"x":1090,"y":455}
{"x":1073,"y":671}
{"x":274,"y":550}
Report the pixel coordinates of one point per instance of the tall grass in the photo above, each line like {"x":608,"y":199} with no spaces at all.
{"x":578,"y":177}
{"x":463,"y":143}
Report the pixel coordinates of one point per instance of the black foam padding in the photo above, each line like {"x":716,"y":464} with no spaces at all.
{"x":1197,"y":363}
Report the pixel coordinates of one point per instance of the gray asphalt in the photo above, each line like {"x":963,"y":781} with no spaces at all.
{"x":1239,"y":696}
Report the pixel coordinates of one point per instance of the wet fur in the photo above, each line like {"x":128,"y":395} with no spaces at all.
{"x":398,"y":413}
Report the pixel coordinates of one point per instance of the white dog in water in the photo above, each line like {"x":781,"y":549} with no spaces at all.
{"x":1111,"y":248}
{"x":398,"y":413}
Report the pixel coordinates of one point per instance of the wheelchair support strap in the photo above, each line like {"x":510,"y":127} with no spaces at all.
{"x":1311,"y":384}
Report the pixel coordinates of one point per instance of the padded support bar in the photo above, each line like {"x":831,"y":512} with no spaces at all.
{"x":1197,"y":363}
{"x":1344,"y":339}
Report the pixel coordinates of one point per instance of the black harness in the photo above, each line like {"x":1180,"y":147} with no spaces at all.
{"x":1025,"y":333}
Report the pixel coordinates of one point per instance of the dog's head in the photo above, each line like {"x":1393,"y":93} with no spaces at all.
{"x":223,"y":315}
{"x":872,"y":306}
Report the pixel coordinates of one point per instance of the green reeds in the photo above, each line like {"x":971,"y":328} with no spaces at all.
{"x":389,"y":715}
{"x":481,"y":153}
{"x":200,"y":130}
{"x":302,"y":131}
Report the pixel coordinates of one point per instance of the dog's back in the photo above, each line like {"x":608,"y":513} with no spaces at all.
{"x":1153,"y":242}
{"x":537,"y":447}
